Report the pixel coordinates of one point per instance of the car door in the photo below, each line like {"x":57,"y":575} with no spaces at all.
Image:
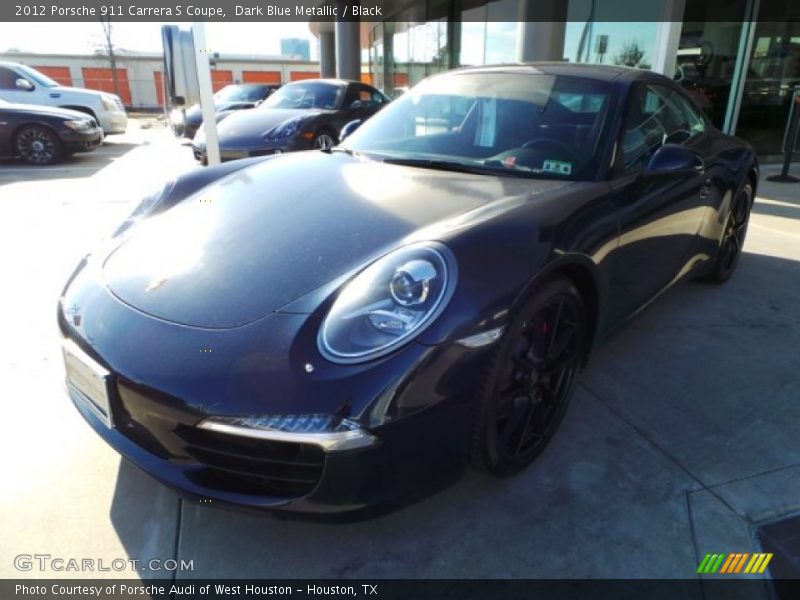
{"x":7,"y":124}
{"x":660,"y":214}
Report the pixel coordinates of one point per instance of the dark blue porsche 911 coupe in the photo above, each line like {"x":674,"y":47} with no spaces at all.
{"x":328,"y":330}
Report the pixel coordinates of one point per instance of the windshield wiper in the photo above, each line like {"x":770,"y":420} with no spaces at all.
{"x":449,"y":165}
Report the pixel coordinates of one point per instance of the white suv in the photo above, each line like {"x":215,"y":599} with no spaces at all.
{"x":23,"y":85}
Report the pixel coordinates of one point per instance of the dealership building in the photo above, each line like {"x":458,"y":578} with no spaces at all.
{"x":739,"y":59}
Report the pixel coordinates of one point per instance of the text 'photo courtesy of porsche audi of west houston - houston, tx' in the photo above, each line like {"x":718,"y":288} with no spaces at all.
{"x":329,"y":330}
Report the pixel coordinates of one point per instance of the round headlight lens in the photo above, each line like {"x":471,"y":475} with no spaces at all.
{"x":388,"y":303}
{"x":411,"y":283}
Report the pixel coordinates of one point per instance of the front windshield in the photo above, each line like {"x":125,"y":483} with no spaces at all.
{"x":37,"y":77}
{"x":512,"y":123}
{"x":245,"y":93}
{"x":312,"y":94}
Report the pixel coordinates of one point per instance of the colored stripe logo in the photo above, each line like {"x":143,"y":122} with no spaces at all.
{"x":736,"y":562}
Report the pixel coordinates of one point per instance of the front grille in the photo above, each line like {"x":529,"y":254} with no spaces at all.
{"x":251,"y":466}
{"x":166,"y":426}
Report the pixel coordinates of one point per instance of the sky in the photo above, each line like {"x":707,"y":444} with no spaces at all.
{"x":229,"y":38}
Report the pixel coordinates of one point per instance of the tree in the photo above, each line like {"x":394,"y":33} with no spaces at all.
{"x":109,"y":50}
{"x":631,"y":55}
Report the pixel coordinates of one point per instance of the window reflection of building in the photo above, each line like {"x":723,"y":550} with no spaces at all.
{"x":772,"y":74}
{"x":740,"y":71}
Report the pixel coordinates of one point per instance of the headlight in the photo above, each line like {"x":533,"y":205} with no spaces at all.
{"x":79,"y":125}
{"x":388,"y":303}
{"x":285,"y":129}
{"x":111,"y":103}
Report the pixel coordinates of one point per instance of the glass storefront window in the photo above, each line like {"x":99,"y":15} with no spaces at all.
{"x":706,"y":64}
{"x":772,"y":74}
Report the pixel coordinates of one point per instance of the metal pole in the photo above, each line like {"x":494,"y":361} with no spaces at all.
{"x":206,"y":93}
{"x":790,"y":140}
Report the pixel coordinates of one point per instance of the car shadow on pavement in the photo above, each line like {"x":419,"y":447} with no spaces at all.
{"x":615,"y":477}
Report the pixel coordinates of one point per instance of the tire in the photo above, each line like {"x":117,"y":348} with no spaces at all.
{"x":323,"y":140}
{"x":38,"y":145}
{"x":730,"y":248}
{"x":531,"y":379}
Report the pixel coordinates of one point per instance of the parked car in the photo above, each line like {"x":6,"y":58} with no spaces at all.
{"x":21,"y":84}
{"x":239,"y":96}
{"x":42,"y":135}
{"x":323,"y":331}
{"x":300,"y":116}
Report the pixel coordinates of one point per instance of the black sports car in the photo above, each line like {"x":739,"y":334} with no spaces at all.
{"x":302,"y":115}
{"x":238,"y":96}
{"x":43,"y":135}
{"x":327,"y":330}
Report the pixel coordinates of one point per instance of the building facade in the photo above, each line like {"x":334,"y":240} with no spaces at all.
{"x":139,"y":76}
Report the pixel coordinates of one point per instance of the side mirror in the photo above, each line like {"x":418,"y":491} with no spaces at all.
{"x":23,"y":84}
{"x":674,"y":158}
{"x":348,"y":129}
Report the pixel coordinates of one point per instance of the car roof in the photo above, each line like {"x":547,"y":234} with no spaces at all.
{"x":609,"y":73}
{"x":329,"y":80}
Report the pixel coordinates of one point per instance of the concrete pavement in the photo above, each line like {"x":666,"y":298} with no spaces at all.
{"x":682,"y":438}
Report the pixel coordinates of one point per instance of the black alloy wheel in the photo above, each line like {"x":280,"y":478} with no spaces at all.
{"x":532,"y":379}
{"x":323,"y":141}
{"x":730,"y":248}
{"x":38,"y":145}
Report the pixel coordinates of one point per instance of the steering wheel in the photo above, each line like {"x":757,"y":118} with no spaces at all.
{"x":551,"y":143}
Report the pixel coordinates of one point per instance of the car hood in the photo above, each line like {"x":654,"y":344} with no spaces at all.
{"x":45,"y":111}
{"x":244,"y":126}
{"x":254,"y":241}
{"x":62,"y":89}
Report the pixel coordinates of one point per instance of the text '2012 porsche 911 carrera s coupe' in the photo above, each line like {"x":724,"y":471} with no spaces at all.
{"x":328,"y":330}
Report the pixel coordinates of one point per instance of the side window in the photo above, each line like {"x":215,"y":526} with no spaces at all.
{"x":657,"y":115}
{"x":7,"y":79}
{"x":377,"y":97}
{"x":369,"y":97}
{"x":697,"y":124}
{"x":351,"y":96}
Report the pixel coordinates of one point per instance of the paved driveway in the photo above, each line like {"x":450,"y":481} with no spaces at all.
{"x":682,"y":438}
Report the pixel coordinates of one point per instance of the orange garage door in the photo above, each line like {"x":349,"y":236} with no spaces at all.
{"x":261,"y":76}
{"x":60,"y":74}
{"x":101,"y":79}
{"x":219,"y":79}
{"x":298,"y":75}
{"x":159,"y":81}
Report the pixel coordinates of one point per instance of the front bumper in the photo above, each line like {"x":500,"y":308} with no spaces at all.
{"x":82,"y":141}
{"x":265,"y":148}
{"x":113,"y":122}
{"x":411,"y":457}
